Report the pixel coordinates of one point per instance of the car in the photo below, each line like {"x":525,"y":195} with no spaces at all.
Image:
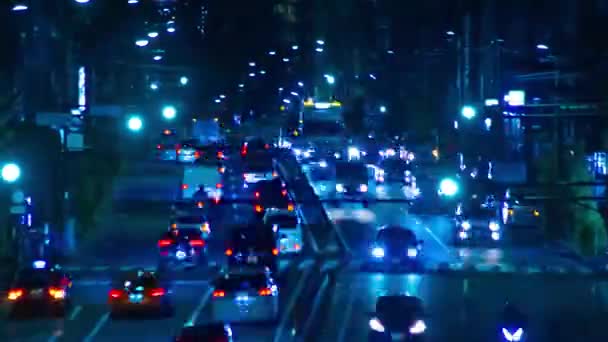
{"x":395,"y":246}
{"x":202,"y":182}
{"x":253,"y":145}
{"x":258,"y":168}
{"x":397,"y":318}
{"x":216,"y":332}
{"x":185,"y":246}
{"x":187,"y":151}
{"x":198,"y":221}
{"x":40,"y":289}
{"x":273,"y":187}
{"x":287,"y":225}
{"x":140,"y":292}
{"x":273,"y":201}
{"x":245,"y":298}
{"x":166,"y":149}
{"x":188,"y":207}
{"x":252,"y":246}
{"x":477,"y":222}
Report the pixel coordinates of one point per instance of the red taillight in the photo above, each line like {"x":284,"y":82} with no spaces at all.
{"x":184,"y":186}
{"x":258,"y":208}
{"x":290,"y":207}
{"x":159,"y":146}
{"x":56,"y":292}
{"x":220,"y":155}
{"x":219,"y":185}
{"x":284,"y":192}
{"x":219,"y":293}
{"x":164,"y":243}
{"x":200,"y":204}
{"x":266,"y":146}
{"x":275,"y":251}
{"x":228,"y":252}
{"x":243,"y":151}
{"x":257,"y":194}
{"x":157,"y":292}
{"x":265,"y":292}
{"x":197,"y":243}
{"x":179,"y":151}
{"x":15,"y":294}
{"x":197,"y":154}
{"x":116,"y":293}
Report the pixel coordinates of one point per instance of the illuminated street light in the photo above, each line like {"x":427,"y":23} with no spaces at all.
{"x":133,"y":2}
{"x":252,"y":74}
{"x":222,"y":96}
{"x":11,"y":172}
{"x":294,"y":47}
{"x":218,"y":100}
{"x":300,"y":84}
{"x":170,"y":29}
{"x":251,"y":64}
{"x":390,"y":52}
{"x":82,"y":1}
{"x":158,"y":57}
{"x":450,"y":33}
{"x":135,"y":124}
{"x":20,"y":8}
{"x":319,"y":49}
{"x":169,"y":112}
{"x":272,"y":53}
{"x":285,"y":59}
{"x":382,"y":109}
{"x":153,"y":34}
{"x":542,"y":47}
{"x":262,"y":72}
{"x":154,"y":86}
{"x":320,"y":42}
{"x":183,"y":80}
{"x":448,"y":187}
{"x":142,"y":42}
{"x":468,"y":112}
{"x":241,"y":85}
{"x":330,"y":79}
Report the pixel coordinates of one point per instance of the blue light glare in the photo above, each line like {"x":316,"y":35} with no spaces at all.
{"x":39,"y":264}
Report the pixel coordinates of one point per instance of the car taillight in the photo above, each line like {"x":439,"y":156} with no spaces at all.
{"x":297,"y":246}
{"x":157,"y":292}
{"x":219,"y":185}
{"x":197,"y":243}
{"x":265,"y":292}
{"x":221,"y":169}
{"x":159,"y":146}
{"x":290,"y":207}
{"x":275,"y":251}
{"x":244,"y":152}
{"x":220,"y":155}
{"x":266,"y":146}
{"x":197,"y":154}
{"x":206,"y":228}
{"x":258,"y":208}
{"x":116,"y":293}
{"x":174,"y":226}
{"x":284,"y":192}
{"x":179,"y":151}
{"x":219,"y":293}
{"x":275,"y":174}
{"x":56,"y":292}
{"x":228,"y":252}
{"x":164,"y":243}
{"x":200,"y":204}
{"x":184,"y":186}
{"x":257,"y":194}
{"x":15,"y":294}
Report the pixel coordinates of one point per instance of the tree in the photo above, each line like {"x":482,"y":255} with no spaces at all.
{"x":578,"y":221}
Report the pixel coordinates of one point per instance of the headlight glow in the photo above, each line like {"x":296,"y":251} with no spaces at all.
{"x":412,"y":252}
{"x":297,"y":152}
{"x":513,"y":337}
{"x":418,"y":327}
{"x":466,"y":225}
{"x":494,"y":226}
{"x":378,"y":252}
{"x":495,"y":236}
{"x":463,"y":235}
{"x":180,"y":255}
{"x":323,"y":164}
{"x":375,"y":325}
{"x":363,"y":188}
{"x":339,"y":187}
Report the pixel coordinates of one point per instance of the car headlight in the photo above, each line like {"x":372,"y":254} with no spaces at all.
{"x":363,"y":187}
{"x":378,"y":252}
{"x":323,"y":164}
{"x":339,"y":187}
{"x":337,"y":155}
{"x":418,"y":327}
{"x":307,"y":154}
{"x":375,"y":325}
{"x":495,"y":236}
{"x":513,"y":337}
{"x":462,"y":235}
{"x":466,"y":225}
{"x":180,"y":255}
{"x":412,"y":252}
{"x":494,"y":226}
{"x":297,"y":152}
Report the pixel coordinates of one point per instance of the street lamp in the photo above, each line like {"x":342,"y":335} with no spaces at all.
{"x":142,"y":42}
{"x":448,"y":187}
{"x":468,"y":112}
{"x":11,"y":172}
{"x":153,"y":34}
{"x":169,"y":112}
{"x":158,"y":58}
{"x":82,"y":1}
{"x":330,"y":79}
{"x":20,"y":8}
{"x":382,"y":109}
{"x":154,"y":86}
{"x":542,"y":47}
{"x":320,"y":42}
{"x":183,"y":80}
{"x":135,"y":123}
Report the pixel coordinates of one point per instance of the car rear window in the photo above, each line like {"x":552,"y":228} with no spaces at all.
{"x":284,"y":221}
{"x":190,"y":219}
{"x":253,"y":238}
{"x":33,"y":279}
{"x":242,"y":282}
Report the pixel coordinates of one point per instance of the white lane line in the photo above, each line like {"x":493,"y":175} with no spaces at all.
{"x":100,"y":323}
{"x":291,"y":304}
{"x":347,"y":313}
{"x":74,"y":313}
{"x":436,"y":238}
{"x":199,"y":308}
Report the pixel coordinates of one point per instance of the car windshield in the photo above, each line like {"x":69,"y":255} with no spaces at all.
{"x":242,"y":282}
{"x":33,"y":279}
{"x":284,"y":221}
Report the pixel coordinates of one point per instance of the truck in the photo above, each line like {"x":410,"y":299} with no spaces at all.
{"x":201,"y":176}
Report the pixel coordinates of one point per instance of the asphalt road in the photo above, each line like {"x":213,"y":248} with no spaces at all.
{"x":126,"y":240}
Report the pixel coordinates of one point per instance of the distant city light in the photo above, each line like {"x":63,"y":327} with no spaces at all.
{"x":300,"y":84}
{"x":133,"y":2}
{"x":491,"y":102}
{"x":450,"y":33}
{"x":222,"y":96}
{"x":286,"y":101}
{"x":372,"y":76}
{"x":152,"y":34}
{"x":169,"y":112}
{"x":319,"y":49}
{"x":330,"y":79}
{"x":272,"y":53}
{"x":154,"y":86}
{"x":262,"y":72}
{"x":251,"y":64}
{"x":294,"y":93}
{"x":241,"y":85}
{"x":170,"y":29}
{"x":184,"y":80}
{"x":390,"y":52}
{"x":285,"y":59}
{"x":20,"y":7}
{"x":252,"y":74}
{"x":294,"y":47}
{"x":218,"y":100}
{"x":468,"y":112}
{"x":382,"y":109}
{"x":11,"y":172}
{"x":542,"y":47}
{"x":82,"y":1}
{"x":142,"y":42}
{"x":158,"y":57}
{"x":320,"y":42}
{"x":135,"y":124}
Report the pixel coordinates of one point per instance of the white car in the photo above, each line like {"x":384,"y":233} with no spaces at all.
{"x":245,"y":297}
{"x":192,"y":222}
{"x":288,"y":227}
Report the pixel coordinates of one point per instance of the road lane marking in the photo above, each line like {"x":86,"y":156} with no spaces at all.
{"x":199,"y":308}
{"x":291,"y":302}
{"x":100,"y":323}
{"x":347,"y":314}
{"x":436,"y":238}
{"x":74,"y":313}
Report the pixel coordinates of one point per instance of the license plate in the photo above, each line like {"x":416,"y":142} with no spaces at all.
{"x":37,"y":293}
{"x":252,"y":259}
{"x":398,"y":336}
{"x":136,"y":298}
{"x":396,"y":260}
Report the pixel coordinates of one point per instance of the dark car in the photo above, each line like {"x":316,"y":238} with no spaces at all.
{"x":477,"y":221}
{"x":40,"y":289}
{"x":253,"y":246}
{"x":253,"y":145}
{"x":140,"y":292}
{"x":397,"y":318}
{"x":396,"y":246}
{"x":211,"y":332}
{"x":272,"y":187}
{"x":184,"y":246}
